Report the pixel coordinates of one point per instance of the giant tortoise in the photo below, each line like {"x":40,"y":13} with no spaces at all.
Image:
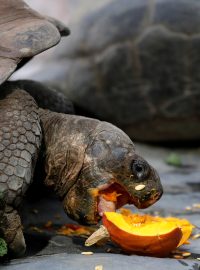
{"x":135,"y":64}
{"x":81,"y":157}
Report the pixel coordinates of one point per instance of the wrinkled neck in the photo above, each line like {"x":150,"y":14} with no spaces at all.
{"x":66,"y":138}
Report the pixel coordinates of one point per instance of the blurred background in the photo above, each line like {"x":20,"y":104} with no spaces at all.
{"x":134,"y":64}
{"x":69,"y":12}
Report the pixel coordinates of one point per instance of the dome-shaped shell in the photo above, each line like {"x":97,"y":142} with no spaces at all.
{"x":129,"y":20}
{"x":136,"y":64}
{"x":24,"y":33}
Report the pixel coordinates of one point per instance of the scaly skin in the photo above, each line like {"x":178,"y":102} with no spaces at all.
{"x":20,"y":139}
{"x":82,"y":157}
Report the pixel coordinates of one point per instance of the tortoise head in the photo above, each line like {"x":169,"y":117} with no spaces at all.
{"x":112,"y":175}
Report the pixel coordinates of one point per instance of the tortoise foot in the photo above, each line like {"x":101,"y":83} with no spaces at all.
{"x":12,"y":232}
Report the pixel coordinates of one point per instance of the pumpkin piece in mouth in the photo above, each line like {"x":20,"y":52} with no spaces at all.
{"x":112,"y":198}
{"x":107,"y":201}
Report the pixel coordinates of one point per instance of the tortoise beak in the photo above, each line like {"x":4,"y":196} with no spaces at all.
{"x":147,"y":200}
{"x":146,"y":193}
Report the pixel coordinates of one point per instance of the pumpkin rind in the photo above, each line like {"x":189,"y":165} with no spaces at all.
{"x":155,"y":245}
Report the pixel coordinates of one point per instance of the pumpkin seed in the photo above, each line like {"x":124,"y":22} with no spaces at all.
{"x":99,"y":267}
{"x":196,"y":205}
{"x":177,"y":257}
{"x":186,"y":254}
{"x":87,"y":253}
{"x":139,"y":187}
{"x":196,"y":236}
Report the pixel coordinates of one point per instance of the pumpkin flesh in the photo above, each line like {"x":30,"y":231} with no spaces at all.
{"x":144,"y":234}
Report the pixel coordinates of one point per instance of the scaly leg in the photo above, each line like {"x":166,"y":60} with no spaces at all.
{"x":20,"y":140}
{"x":11,"y":230}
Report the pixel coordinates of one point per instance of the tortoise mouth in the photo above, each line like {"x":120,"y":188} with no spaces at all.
{"x":152,"y":199}
{"x":113,"y":196}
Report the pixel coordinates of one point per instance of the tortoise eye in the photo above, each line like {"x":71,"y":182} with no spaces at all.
{"x":140,"y":169}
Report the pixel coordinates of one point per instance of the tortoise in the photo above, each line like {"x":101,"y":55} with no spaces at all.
{"x":82,"y":157}
{"x":135,"y":65}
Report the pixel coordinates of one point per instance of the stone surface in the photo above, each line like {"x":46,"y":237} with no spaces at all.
{"x":75,"y":262}
{"x":46,"y":249}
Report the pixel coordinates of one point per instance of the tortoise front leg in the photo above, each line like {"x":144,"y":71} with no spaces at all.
{"x":20,"y":139}
{"x":11,"y":229}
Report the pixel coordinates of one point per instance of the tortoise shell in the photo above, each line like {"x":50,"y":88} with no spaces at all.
{"x":24,"y":33}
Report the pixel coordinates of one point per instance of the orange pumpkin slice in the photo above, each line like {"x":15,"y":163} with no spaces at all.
{"x":144,"y":234}
{"x":185,"y":226}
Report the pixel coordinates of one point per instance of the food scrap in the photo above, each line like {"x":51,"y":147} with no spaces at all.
{"x":196,"y":236}
{"x":178,"y":257}
{"x":48,"y":225}
{"x":35,"y":211}
{"x":66,"y":229}
{"x":87,"y":253}
{"x":99,"y":267}
{"x":193,"y":207}
{"x":36,"y":229}
{"x":99,"y":235}
{"x":188,"y":208}
{"x":73,"y":229}
{"x":186,"y":254}
{"x":110,"y":196}
{"x":196,"y":205}
{"x":180,"y":254}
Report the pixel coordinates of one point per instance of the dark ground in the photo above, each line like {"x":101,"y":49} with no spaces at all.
{"x":46,"y":250}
